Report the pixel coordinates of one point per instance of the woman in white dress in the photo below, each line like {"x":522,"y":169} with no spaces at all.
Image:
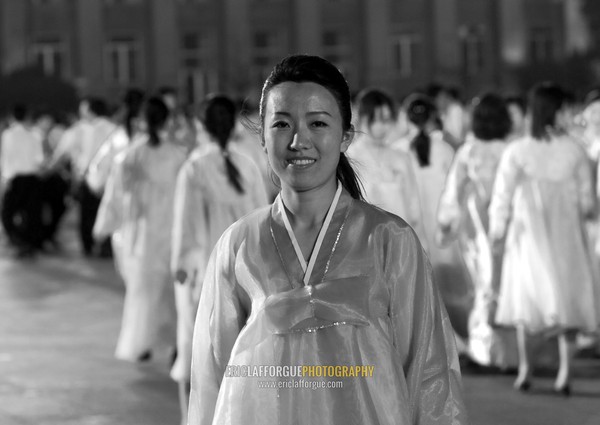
{"x":542,"y":194}
{"x":216,"y":186}
{"x":432,"y":157}
{"x":100,"y":177}
{"x":463,"y":214}
{"x":149,"y":173}
{"x":386,"y":173}
{"x":322,"y":279}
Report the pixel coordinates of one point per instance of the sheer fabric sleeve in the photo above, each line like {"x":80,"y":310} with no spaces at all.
{"x":423,"y":337}
{"x":583,"y":170}
{"x":189,"y":225}
{"x":110,"y":212}
{"x":449,"y":210}
{"x":219,"y":320}
{"x":412,"y":196}
{"x":507,"y":179}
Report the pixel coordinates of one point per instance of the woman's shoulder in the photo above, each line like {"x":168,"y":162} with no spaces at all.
{"x":252,"y":223}
{"x":376,"y":219}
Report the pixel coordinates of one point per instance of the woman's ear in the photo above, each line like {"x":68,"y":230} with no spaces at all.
{"x":347,"y":139}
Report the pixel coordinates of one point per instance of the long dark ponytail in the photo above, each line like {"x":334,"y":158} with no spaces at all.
{"x":314,"y":69}
{"x":218,"y":116}
{"x":156,"y":114}
{"x":420,"y":110}
{"x":132,"y":102}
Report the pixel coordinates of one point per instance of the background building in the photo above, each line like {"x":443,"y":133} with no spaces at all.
{"x":199,"y":46}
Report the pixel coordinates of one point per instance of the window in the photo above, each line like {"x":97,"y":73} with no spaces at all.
{"x":111,"y":2}
{"x":541,"y":45}
{"x":337,"y":50}
{"x":472,"y":50}
{"x":331,"y":38}
{"x":198,"y":75}
{"x":263,"y":40}
{"x":50,"y":56}
{"x":404,"y":54}
{"x":123,"y":61}
{"x":45,"y":2}
{"x":267,"y":51}
{"x":190,"y":41}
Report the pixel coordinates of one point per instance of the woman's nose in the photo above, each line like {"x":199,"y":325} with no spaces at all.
{"x":300,"y":140}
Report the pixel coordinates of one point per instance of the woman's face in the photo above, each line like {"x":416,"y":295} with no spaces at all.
{"x":303,"y":135}
{"x":382,"y":123}
{"x":591,"y":116}
{"x":517,"y":118}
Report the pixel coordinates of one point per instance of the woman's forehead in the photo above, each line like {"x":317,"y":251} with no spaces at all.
{"x":306,"y":97}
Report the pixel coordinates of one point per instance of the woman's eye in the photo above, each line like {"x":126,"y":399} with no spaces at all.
{"x":279,"y":124}
{"x":320,"y":124}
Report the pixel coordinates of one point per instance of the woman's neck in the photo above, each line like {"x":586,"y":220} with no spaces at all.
{"x":308,"y":209}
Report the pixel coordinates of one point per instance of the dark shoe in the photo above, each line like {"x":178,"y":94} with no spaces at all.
{"x":173,"y":357}
{"x":523,"y":385}
{"x":564,"y":391}
{"x":145,"y":356}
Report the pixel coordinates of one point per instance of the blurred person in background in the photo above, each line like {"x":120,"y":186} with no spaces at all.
{"x":216,"y":186}
{"x":432,"y":157}
{"x":517,"y":109}
{"x":128,"y":127}
{"x":22,"y":159}
{"x":451,"y":113}
{"x":591,"y":138}
{"x":180,"y":126}
{"x":79,"y":145}
{"x":55,"y":181}
{"x":463,"y":214}
{"x":386,"y":174}
{"x":104,"y":174}
{"x":542,"y":195}
{"x":148,"y":176}
{"x":247,"y":139}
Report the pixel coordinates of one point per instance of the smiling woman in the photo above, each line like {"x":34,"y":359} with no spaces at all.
{"x":320,"y":278}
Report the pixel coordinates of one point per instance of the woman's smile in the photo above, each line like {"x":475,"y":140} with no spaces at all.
{"x":300,"y":162}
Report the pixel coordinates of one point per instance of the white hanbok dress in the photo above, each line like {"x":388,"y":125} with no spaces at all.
{"x":149,"y":176}
{"x":448,"y":265}
{"x":365,"y":297}
{"x":206,"y":204}
{"x":542,"y":193}
{"x":388,"y":179}
{"x":463,"y":214}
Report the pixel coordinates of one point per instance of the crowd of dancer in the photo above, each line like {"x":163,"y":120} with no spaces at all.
{"x":501,"y":192}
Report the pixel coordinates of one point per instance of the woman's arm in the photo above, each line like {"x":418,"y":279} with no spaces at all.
{"x":507,"y":179}
{"x":424,"y":338}
{"x":449,"y":209}
{"x":189,"y":223}
{"x":219,"y":320}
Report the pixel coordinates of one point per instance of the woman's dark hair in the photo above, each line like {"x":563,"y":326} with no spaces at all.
{"x":421,"y":110}
{"x":490,"y":118}
{"x":132,"y":102}
{"x":314,"y":69}
{"x":369,"y":100}
{"x":218,"y":115}
{"x":545,"y":100}
{"x":20,"y":112}
{"x":97,"y":106}
{"x":156,"y":114}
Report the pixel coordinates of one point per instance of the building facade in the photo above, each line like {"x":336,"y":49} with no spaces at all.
{"x":201,"y":46}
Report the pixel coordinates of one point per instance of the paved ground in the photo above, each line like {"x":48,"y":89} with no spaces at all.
{"x":59,"y":320}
